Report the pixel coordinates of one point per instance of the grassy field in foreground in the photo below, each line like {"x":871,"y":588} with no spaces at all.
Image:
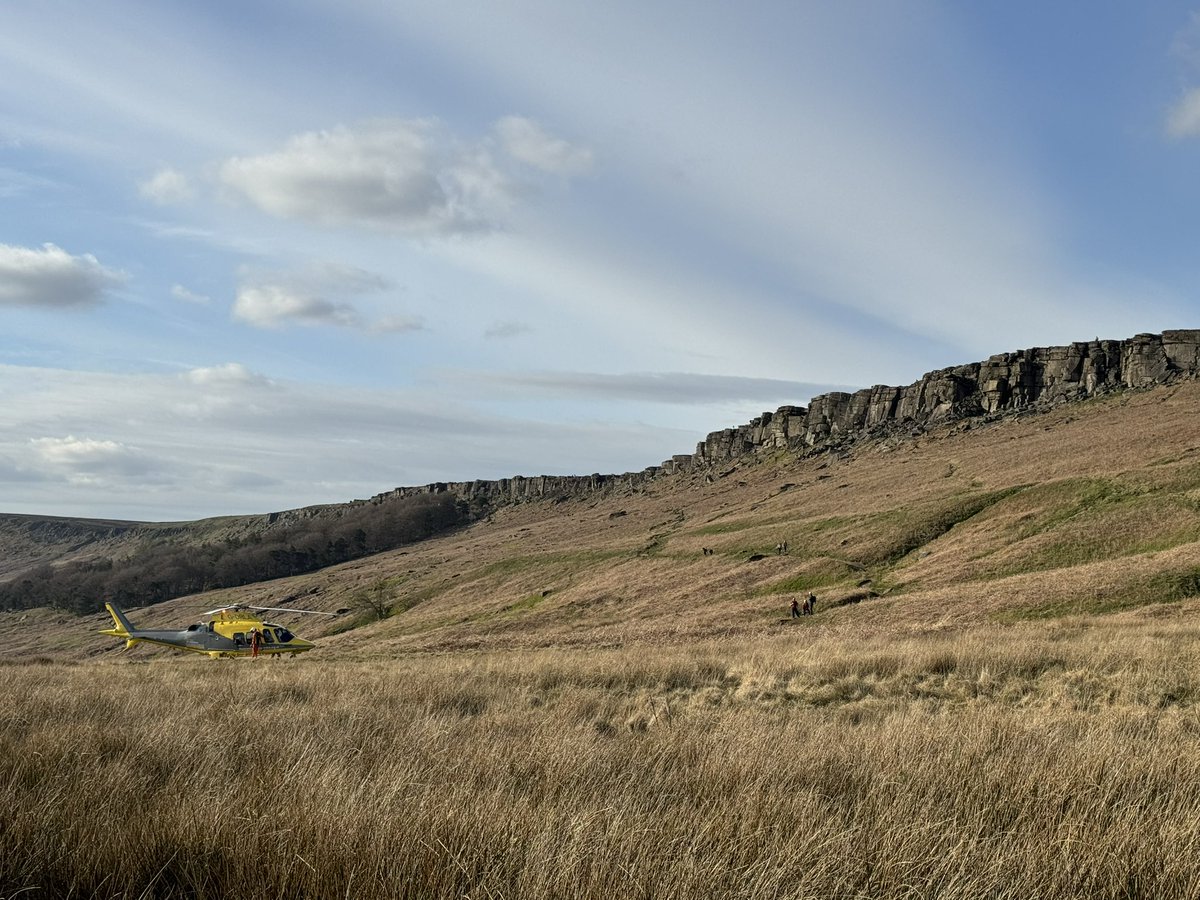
{"x":1025,"y":760}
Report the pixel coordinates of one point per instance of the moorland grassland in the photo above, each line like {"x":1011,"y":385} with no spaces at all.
{"x":998,"y":696}
{"x":1013,"y":761}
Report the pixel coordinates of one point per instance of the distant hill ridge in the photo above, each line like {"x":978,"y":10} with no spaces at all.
{"x":76,"y":564}
{"x":1023,"y":380}
{"x":1004,"y":383}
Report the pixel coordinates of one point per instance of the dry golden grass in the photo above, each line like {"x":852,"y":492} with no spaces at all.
{"x":1004,"y":761}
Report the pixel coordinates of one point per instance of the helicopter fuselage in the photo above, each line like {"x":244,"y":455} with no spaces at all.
{"x":227,"y":633}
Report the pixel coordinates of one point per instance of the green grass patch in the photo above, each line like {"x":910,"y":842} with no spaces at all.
{"x":1066,"y":500}
{"x":654,"y":547}
{"x":865,"y":541}
{"x":527,"y":603}
{"x":1079,"y":522}
{"x":807,"y":540}
{"x":1060,"y":608}
{"x":1161,"y":588}
{"x":521,"y":564}
{"x":1178,"y":585}
{"x":1181,"y":479}
{"x":736,"y":525}
{"x":1080,"y":550}
{"x":897,"y":533}
{"x":819,"y":573}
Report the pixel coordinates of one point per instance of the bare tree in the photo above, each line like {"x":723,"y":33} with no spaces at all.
{"x":375,"y":600}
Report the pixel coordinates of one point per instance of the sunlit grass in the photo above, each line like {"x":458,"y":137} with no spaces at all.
{"x":1000,"y":762}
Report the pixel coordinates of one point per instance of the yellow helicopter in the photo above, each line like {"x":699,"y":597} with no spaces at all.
{"x":230,"y":631}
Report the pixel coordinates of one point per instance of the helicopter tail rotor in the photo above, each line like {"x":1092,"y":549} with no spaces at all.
{"x":123,"y":625}
{"x":123,"y":628}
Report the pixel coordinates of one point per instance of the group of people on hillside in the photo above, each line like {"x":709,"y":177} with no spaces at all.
{"x":804,"y":608}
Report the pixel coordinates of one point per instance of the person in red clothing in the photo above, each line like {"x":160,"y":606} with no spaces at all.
{"x":255,"y":643}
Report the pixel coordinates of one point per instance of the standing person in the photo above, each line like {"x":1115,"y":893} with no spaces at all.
{"x":795,"y":608}
{"x":255,"y":643}
{"x":812,"y":604}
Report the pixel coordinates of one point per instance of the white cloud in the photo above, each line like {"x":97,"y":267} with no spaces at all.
{"x":396,"y":174}
{"x":275,"y":305}
{"x":1183,"y":119}
{"x":179,"y":292}
{"x":229,"y":374}
{"x":167,"y":186}
{"x":211,"y":442}
{"x":528,"y":142}
{"x":318,"y":295}
{"x":89,"y":461}
{"x":52,"y":278}
{"x":406,"y":175}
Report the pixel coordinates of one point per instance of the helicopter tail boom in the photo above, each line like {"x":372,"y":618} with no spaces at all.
{"x":124,"y":628}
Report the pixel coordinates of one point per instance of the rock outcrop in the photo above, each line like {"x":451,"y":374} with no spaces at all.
{"x":1007,"y":382}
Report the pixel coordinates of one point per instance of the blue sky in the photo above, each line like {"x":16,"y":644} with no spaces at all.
{"x":259,"y":255}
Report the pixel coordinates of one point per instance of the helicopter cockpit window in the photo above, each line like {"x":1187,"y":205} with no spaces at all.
{"x":268,"y":636}
{"x":284,"y":635}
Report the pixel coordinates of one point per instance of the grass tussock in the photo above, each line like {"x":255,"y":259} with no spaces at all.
{"x":1016,"y":761}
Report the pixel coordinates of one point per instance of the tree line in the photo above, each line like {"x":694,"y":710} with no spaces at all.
{"x":182,"y":566}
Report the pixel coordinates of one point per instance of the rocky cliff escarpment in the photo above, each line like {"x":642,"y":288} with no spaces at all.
{"x":1025,"y":379}
{"x":1007,"y":381}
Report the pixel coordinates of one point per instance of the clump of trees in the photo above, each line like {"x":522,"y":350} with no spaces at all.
{"x":183,"y":566}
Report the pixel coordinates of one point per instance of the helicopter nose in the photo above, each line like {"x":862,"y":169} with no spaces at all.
{"x":298,"y":644}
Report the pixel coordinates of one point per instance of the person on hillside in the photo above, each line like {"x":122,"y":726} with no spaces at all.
{"x":812,"y":604}
{"x":255,"y":643}
{"x":795,"y":608}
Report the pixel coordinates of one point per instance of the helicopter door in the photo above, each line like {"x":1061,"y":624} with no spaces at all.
{"x":239,"y":638}
{"x":268,"y":636}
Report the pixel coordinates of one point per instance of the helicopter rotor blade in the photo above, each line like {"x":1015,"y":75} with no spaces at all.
{"x":242,"y":607}
{"x":311,"y":612}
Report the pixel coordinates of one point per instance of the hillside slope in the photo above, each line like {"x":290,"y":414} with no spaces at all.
{"x":74,"y":564}
{"x":1092,"y":507}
